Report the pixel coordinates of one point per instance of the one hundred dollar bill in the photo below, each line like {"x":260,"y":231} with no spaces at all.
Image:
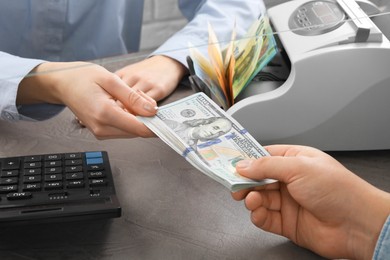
{"x":207,"y":137}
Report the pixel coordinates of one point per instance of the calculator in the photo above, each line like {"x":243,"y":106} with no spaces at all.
{"x":57,"y":187}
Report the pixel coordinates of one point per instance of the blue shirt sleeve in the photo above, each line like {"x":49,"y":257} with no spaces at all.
{"x":382,"y":249}
{"x":59,"y":31}
{"x":220,"y":14}
{"x":12,"y":70}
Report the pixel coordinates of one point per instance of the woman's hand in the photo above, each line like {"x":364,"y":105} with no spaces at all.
{"x":98,"y":98}
{"x":157,"y":76}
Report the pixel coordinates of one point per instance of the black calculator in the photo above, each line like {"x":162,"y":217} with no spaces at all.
{"x":57,"y":187}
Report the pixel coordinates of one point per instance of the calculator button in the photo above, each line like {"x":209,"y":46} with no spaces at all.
{"x":73,"y":169}
{"x":72,"y":156}
{"x":32,"y":179}
{"x":93,"y":155}
{"x":19,"y":195}
{"x":11,"y":180}
{"x":52,"y":157}
{"x":11,"y":164}
{"x":32,"y":187}
{"x":53,"y":170}
{"x":8,"y":188}
{"x":97,"y":182}
{"x":31,"y":165}
{"x":75,"y":184}
{"x":98,"y":174}
{"x":36,"y":171}
{"x":98,"y":167}
{"x":10,"y":173}
{"x":94,"y":161}
{"x":53,"y":177}
{"x":53,"y":185}
{"x":53,"y":164}
{"x":73,"y":162}
{"x":74,"y":176}
{"x":36,"y":158}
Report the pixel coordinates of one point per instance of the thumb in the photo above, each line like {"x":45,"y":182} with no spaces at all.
{"x":270,"y":167}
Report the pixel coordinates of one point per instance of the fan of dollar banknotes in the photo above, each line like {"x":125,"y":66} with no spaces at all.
{"x":226,"y":73}
{"x":207,"y":137}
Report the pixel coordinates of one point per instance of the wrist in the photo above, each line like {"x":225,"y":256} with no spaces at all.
{"x":376,"y":209}
{"x":180,"y":69}
{"x":40,"y":85}
{"x":44,"y":84}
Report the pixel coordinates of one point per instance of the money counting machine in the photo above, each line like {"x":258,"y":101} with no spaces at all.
{"x":337,"y":92}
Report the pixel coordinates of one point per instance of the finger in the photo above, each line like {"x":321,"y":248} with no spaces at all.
{"x":153,"y":90}
{"x":146,"y":95}
{"x":130,"y":124}
{"x":270,"y":167}
{"x":120,"y":105}
{"x":240,"y":195}
{"x":116,"y":122}
{"x":268,"y":220}
{"x":124,"y":75}
{"x":153,"y":93}
{"x":130,"y":98}
{"x":291,"y":150}
{"x":267,"y":199}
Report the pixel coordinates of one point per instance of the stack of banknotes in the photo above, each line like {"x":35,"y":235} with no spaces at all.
{"x":208,"y":138}
{"x":226,"y":73}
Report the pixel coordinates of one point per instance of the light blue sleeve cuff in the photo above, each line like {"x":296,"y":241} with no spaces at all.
{"x":382,"y":249}
{"x":39,"y":112}
{"x":12,"y":71}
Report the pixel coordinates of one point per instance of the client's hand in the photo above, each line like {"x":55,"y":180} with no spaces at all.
{"x":98,"y":98}
{"x":157,"y":76}
{"x":317,"y":203}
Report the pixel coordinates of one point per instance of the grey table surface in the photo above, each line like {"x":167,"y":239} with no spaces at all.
{"x":169,"y":209}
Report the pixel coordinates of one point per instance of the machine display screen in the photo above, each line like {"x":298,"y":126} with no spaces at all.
{"x":325,"y":14}
{"x":316,"y":17}
{"x":322,"y":10}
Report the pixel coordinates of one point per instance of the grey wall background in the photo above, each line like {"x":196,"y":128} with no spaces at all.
{"x":162,"y":18}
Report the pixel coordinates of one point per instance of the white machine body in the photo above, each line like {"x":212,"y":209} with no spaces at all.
{"x":336,"y":96}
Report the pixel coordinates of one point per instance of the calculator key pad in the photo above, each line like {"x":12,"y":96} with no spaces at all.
{"x":30,"y":180}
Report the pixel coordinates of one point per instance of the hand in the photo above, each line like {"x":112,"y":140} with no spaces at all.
{"x":98,"y":98}
{"x":317,"y":203}
{"x":156,"y":76}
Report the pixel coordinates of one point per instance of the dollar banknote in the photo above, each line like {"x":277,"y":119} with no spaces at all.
{"x":208,"y":138}
{"x":227,"y":71}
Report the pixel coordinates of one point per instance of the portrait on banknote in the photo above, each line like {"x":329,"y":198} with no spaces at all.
{"x":202,"y":129}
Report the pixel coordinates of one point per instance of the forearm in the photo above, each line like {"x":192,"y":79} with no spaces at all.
{"x":43,"y":83}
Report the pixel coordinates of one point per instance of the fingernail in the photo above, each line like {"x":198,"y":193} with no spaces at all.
{"x":150,"y":108}
{"x":244,"y":164}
